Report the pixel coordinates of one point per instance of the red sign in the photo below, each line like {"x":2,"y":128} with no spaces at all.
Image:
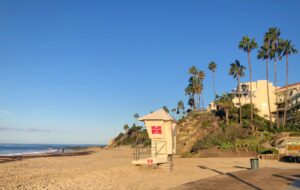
{"x":156,"y":129}
{"x":149,"y":161}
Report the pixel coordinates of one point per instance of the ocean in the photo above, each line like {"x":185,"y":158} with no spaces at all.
{"x":23,"y":149}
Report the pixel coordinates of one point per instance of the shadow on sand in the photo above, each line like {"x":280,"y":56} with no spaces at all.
{"x":231,"y":175}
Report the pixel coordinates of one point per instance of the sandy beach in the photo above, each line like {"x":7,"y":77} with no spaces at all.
{"x":111,"y":169}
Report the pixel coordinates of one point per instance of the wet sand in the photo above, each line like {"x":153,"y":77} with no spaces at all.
{"x":111,"y":169}
{"x":79,"y":152}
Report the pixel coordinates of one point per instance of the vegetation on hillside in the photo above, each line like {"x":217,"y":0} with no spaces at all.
{"x":134,"y":135}
{"x":251,"y":135}
{"x":228,"y":127}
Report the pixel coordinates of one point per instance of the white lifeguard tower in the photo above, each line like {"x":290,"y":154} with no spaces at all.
{"x":161,"y":128}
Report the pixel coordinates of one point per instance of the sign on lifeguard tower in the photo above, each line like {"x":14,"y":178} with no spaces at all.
{"x":161,"y":128}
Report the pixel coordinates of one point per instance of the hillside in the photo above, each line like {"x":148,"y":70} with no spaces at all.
{"x":134,"y":135}
{"x":206,"y":134}
{"x":194,"y":127}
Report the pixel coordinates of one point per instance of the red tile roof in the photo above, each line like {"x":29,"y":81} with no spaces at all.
{"x":290,"y":85}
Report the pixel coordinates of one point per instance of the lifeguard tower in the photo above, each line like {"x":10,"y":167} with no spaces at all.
{"x":161,"y":128}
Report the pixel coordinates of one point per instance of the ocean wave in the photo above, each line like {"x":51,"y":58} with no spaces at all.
{"x":34,"y":152}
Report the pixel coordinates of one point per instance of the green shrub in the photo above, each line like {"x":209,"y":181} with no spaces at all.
{"x":263,"y":150}
{"x":225,"y":139}
{"x":119,"y":137}
{"x":227,"y":146}
{"x":250,"y":143}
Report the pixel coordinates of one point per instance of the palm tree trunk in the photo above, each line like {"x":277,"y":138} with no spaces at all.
{"x":268,"y":95}
{"x":214,"y":86}
{"x":286,"y":88}
{"x":250,"y":72}
{"x":275,"y":81}
{"x":226,"y":114}
{"x":199,"y":101}
{"x":202,"y":101}
{"x":239,"y":93}
{"x":195,"y":103}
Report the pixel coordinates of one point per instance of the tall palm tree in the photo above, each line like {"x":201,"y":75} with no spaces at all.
{"x":192,"y":86}
{"x":191,"y":91}
{"x":212,"y":66}
{"x":198,"y":90}
{"x":274,"y":34}
{"x":201,"y":77}
{"x":237,"y":71}
{"x":263,"y":53}
{"x":247,"y":45}
{"x":287,"y":48}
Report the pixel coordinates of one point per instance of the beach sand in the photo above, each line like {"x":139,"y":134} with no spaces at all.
{"x":111,"y":169}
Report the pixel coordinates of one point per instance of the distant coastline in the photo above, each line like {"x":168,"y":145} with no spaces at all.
{"x":7,"y":149}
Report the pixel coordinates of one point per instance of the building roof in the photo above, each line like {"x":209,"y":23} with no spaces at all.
{"x":290,"y":85}
{"x":160,"y":114}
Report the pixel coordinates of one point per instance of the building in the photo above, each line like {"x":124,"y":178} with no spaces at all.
{"x":293,"y":103}
{"x":260,"y":100}
{"x":259,"y":96}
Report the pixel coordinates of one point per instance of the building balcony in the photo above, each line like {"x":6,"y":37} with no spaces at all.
{"x":281,"y":100}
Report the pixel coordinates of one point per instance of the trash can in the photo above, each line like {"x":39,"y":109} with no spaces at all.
{"x":254,"y":163}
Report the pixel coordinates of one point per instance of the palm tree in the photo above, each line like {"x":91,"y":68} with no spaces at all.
{"x":136,"y":116}
{"x":224,"y":102}
{"x":238,"y":71}
{"x":193,"y":70}
{"x":275,"y":52}
{"x":126,"y":127}
{"x":200,"y":78}
{"x":191,"y":103}
{"x":287,"y":48}
{"x":263,"y":53}
{"x":247,"y":45}
{"x":198,"y":90}
{"x":192,"y":86}
{"x":190,"y":90}
{"x":180,"y":107}
{"x":212,"y":66}
{"x":166,"y":109}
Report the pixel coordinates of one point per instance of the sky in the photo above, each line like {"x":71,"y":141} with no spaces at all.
{"x":75,"y":71}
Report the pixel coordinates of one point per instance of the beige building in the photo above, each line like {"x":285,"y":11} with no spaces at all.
{"x":259,"y":96}
{"x":293,"y":100}
{"x":260,"y":100}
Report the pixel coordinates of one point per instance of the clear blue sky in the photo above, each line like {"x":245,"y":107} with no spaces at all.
{"x":76,"y":71}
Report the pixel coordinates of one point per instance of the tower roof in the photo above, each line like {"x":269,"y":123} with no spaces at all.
{"x":160,"y":114}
